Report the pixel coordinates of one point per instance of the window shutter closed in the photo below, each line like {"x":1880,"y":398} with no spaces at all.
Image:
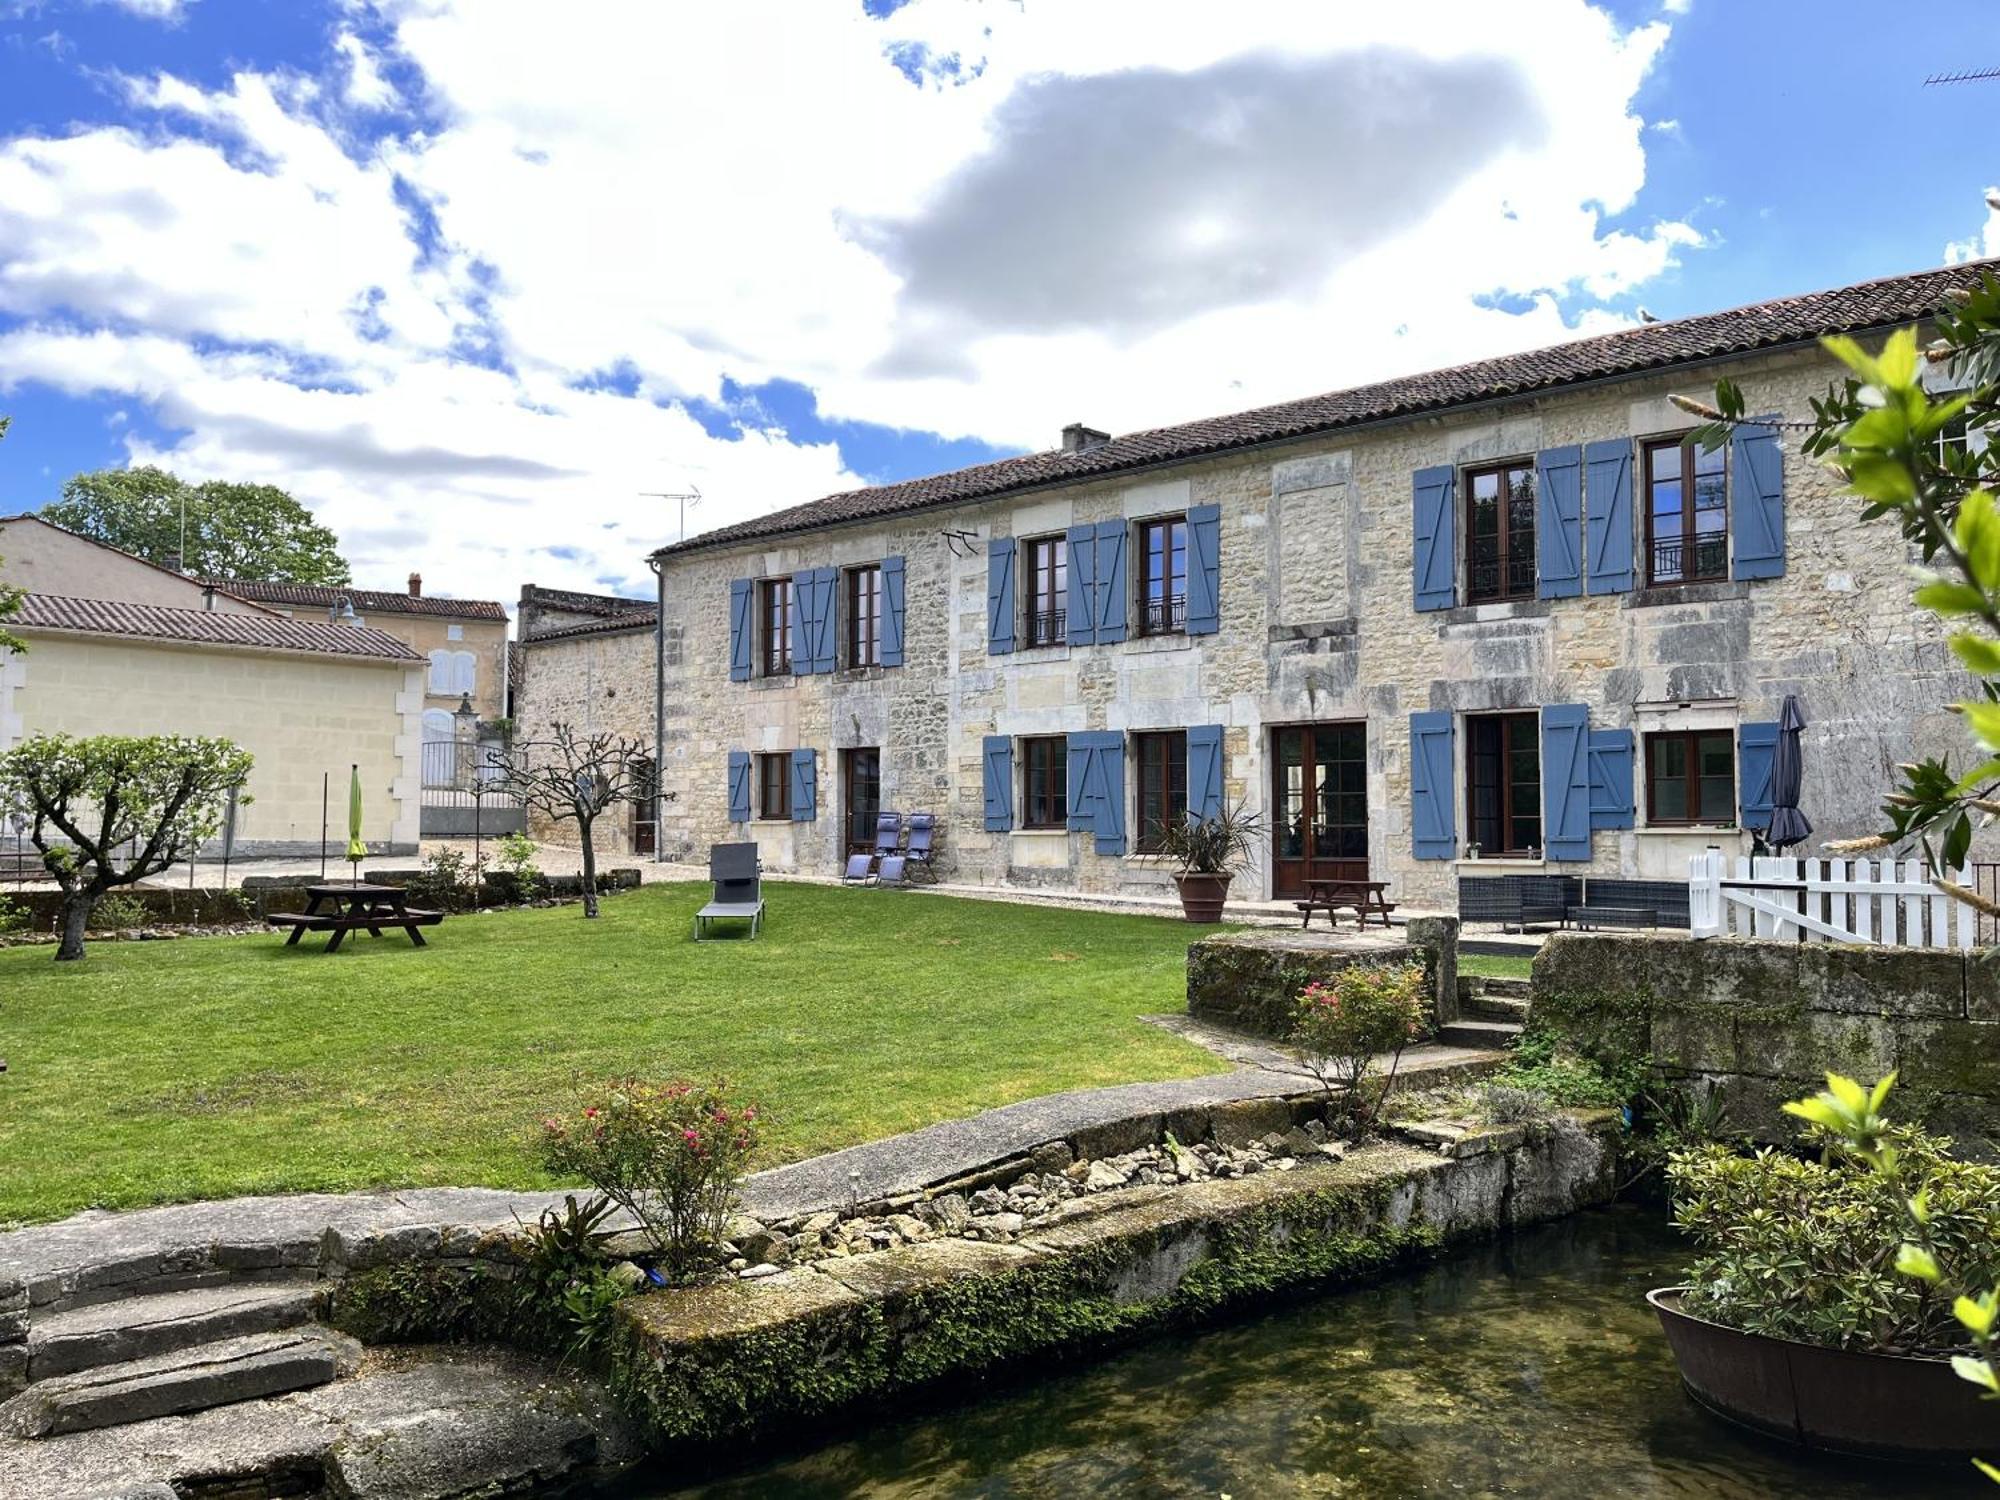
{"x":805,"y":786}
{"x":1432,"y":831}
{"x":1081,"y":543}
{"x":1755,"y":745}
{"x":997,"y":758}
{"x":1204,"y":605}
{"x":827,"y":657}
{"x":739,"y":786}
{"x":1607,"y":489}
{"x":1559,"y":522}
{"x":1435,"y":560}
{"x":1080,"y":750}
{"x":741,"y":629}
{"x":1097,"y":788}
{"x":1000,"y":595}
{"x":892,"y":611}
{"x":1611,"y":800}
{"x":1204,"y":771}
{"x":805,"y":622}
{"x":1111,"y":591}
{"x":1757,"y":502}
{"x":1566,"y":781}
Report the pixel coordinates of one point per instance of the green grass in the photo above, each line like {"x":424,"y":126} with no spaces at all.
{"x":1494,"y":966}
{"x":156,"y":1072}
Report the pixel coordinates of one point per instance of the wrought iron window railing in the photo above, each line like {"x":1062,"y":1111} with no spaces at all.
{"x":1048,"y":628}
{"x":1676,"y":560}
{"x":1164,"y":616}
{"x":1489,"y":576}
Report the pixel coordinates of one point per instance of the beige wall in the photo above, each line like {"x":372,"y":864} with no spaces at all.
{"x":299,"y":715}
{"x":45,"y":559}
{"x":486,"y":640}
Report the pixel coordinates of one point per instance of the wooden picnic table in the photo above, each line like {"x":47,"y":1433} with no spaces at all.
{"x":1361,"y":896}
{"x":352,"y":906}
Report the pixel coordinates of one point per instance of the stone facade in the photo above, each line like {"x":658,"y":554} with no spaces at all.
{"x":1318,"y":626}
{"x":597,"y":680}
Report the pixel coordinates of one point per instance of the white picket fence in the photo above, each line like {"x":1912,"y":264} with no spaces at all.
{"x":1826,"y":900}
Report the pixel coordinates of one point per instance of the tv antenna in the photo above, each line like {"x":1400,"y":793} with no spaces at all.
{"x":1969,"y":75}
{"x":687,"y":497}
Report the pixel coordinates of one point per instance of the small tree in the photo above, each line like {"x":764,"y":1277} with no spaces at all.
{"x":1344,"y":1022}
{"x":576,"y":778}
{"x":153,"y":800}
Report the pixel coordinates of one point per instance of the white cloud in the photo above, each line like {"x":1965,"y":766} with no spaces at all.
{"x":1985,"y":242}
{"x":756,"y":190}
{"x":152,"y":10}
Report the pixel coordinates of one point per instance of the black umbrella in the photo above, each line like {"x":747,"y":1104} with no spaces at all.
{"x":1788,"y":825}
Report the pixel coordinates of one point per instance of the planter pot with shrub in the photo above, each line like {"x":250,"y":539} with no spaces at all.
{"x":1210,"y":851}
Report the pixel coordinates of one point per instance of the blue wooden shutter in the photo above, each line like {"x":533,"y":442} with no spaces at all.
{"x":892,"y":611}
{"x":1433,"y":834}
{"x":1757,"y":502}
{"x":739,"y":786}
{"x":805,"y":787}
{"x":1108,"y":792}
{"x":1436,"y":558}
{"x":1755,"y":744}
{"x":1204,"y":603}
{"x":826,"y":643}
{"x":805,"y":620}
{"x":997,"y":768}
{"x":1559,"y":522}
{"x":1112,"y":594}
{"x":1566,"y":781}
{"x":1080,"y":546}
{"x":1080,"y":751}
{"x":1607,"y":488}
{"x":1204,"y":771}
{"x":1000,"y":595}
{"x":742,"y":627}
{"x":1611,"y":800}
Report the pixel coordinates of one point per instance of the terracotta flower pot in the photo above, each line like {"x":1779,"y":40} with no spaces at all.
{"x":1202,"y":895}
{"x":1839,"y":1400}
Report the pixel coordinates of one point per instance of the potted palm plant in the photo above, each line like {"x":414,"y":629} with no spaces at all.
{"x":1210,"y":851}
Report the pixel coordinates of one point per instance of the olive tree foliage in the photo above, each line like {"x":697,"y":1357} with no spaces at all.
{"x":112,"y":810}
{"x":1930,"y":463}
{"x":572,"y":777}
{"x":231,"y":530}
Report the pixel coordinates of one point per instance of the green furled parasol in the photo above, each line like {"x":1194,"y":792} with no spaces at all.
{"x":356,"y":850}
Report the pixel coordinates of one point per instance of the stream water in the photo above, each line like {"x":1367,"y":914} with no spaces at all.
{"x":1531,"y":1367}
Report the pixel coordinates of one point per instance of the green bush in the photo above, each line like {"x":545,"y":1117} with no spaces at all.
{"x":1542,"y":1062}
{"x":116,"y":913}
{"x":516,"y":859}
{"x":13,"y":916}
{"x":1341,"y":1025}
{"x":448,"y":882}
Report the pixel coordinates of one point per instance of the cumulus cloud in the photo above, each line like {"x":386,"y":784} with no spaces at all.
{"x":1985,"y":242}
{"x":477,"y":315}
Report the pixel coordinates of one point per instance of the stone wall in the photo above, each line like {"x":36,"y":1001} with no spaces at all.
{"x":1250,"y":981}
{"x":1768,"y":1020}
{"x":600,"y":683}
{"x":1317,"y":625}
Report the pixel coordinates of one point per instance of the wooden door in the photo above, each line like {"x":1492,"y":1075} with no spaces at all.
{"x":1319,"y":797}
{"x":645,"y":809}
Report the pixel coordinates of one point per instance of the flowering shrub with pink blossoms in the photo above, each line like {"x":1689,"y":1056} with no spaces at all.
{"x":671,"y":1154}
{"x":1361,"y":1012}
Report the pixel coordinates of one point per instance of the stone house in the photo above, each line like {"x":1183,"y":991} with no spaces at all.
{"x":587,"y":660}
{"x":1502,"y":605}
{"x":117,"y":645}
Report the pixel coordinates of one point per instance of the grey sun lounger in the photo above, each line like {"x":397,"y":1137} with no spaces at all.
{"x":739,"y":893}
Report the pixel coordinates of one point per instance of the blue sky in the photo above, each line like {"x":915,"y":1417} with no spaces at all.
{"x":470,"y":285}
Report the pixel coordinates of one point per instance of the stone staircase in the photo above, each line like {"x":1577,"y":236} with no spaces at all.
{"x":1492,"y":1013}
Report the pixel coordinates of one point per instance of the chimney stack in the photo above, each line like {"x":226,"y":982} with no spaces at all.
{"x":1078,"y":438}
{"x":416,"y":585}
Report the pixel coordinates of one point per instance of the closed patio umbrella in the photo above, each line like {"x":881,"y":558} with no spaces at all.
{"x":1789,"y":826}
{"x":356,"y":850}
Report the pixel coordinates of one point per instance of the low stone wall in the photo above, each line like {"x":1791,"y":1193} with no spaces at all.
{"x":1250,"y":981}
{"x":1768,"y":1020}
{"x":739,"y":1358}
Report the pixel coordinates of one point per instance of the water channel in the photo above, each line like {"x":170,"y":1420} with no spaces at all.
{"x":1530,"y":1367}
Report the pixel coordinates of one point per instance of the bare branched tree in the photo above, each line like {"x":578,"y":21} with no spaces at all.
{"x":576,"y":778}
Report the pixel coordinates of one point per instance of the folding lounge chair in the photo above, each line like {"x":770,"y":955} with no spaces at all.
{"x":739,"y":894}
{"x":891,"y":871}
{"x":922,"y":827}
{"x":860,"y":868}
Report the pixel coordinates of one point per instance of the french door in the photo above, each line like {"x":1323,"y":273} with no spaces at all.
{"x":1319,"y":794}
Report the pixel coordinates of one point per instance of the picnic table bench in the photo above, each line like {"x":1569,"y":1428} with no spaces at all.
{"x":1360,"y":896}
{"x":354,"y":907}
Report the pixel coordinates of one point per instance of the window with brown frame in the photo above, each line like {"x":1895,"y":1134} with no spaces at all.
{"x":1503,"y":783}
{"x":1045,"y":782}
{"x":1687,"y":513}
{"x":774,"y":787}
{"x":1500,"y":532}
{"x":1163,"y":575}
{"x":1047,"y":618}
{"x":1162,"y":758}
{"x":775,"y":597}
{"x":1691,"y":777}
{"x":864,"y":616}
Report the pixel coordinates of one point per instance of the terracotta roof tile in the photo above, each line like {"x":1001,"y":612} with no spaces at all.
{"x":203,"y":627}
{"x":366,"y":601}
{"x":572,"y":602}
{"x":1651,"y":346}
{"x":617,"y":625}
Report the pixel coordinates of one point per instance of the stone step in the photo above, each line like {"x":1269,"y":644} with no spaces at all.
{"x":1498,"y":986}
{"x":1491,"y":1035}
{"x":1495,"y":1008}
{"x":109,"y":1333}
{"x":188,"y":1380}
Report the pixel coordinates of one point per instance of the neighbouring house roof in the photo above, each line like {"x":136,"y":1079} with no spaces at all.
{"x":569,"y":601}
{"x":1650,"y":346}
{"x":616,"y":626}
{"x":366,"y":601}
{"x":153,"y":622}
{"x":221,"y":586}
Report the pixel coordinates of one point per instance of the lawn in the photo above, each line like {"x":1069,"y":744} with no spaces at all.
{"x":1494,"y":965}
{"x":155,"y":1072}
